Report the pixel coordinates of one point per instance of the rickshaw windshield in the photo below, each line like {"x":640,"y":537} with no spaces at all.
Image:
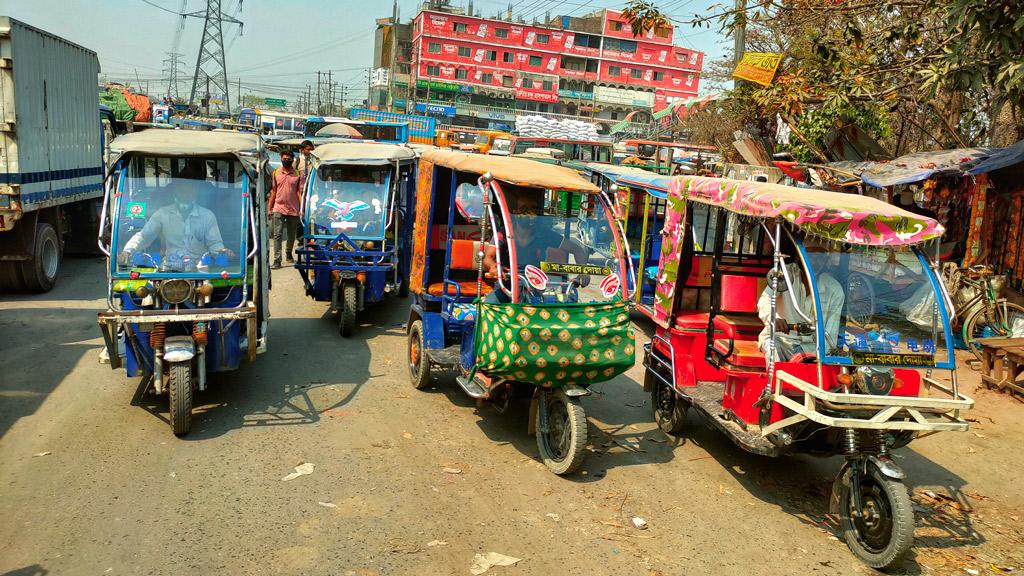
{"x":180,"y":216}
{"x":482,"y":139}
{"x":566,"y":237}
{"x":502,"y":145}
{"x":351,"y":199}
{"x":886,"y":305}
{"x":469,"y":138}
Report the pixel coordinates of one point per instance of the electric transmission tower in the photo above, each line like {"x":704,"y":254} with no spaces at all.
{"x":211,"y":76}
{"x":172,"y":69}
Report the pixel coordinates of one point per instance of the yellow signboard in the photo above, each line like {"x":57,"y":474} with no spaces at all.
{"x":758,"y":67}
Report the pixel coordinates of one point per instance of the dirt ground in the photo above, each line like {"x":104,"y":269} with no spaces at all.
{"x":418,"y":482}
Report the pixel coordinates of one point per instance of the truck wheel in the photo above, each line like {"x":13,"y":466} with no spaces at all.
{"x":180,"y":386}
{"x":40,"y":273}
{"x":10,"y":277}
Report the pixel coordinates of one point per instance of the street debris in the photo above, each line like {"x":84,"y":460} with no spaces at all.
{"x":554,"y":516}
{"x":434,"y":543}
{"x":484,"y":562}
{"x":972,"y":571}
{"x":639,"y":523}
{"x":300,"y":470}
{"x":407,"y":435}
{"x":37,"y":455}
{"x":328,"y":504}
{"x":452,"y":470}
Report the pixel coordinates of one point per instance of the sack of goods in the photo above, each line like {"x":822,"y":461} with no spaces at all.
{"x":543,"y":127}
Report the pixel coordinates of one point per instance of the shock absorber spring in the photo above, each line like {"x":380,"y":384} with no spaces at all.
{"x":851,"y":442}
{"x":883,"y":447}
{"x":199,"y":332}
{"x":156,"y":337}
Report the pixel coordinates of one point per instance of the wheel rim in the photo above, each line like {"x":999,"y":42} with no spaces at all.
{"x":558,"y":438}
{"x":414,"y":354}
{"x":874,"y":524}
{"x":666,"y":403}
{"x":49,"y":257}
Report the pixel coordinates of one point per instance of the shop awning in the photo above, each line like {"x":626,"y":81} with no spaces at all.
{"x":922,"y":166}
{"x":1000,"y":159}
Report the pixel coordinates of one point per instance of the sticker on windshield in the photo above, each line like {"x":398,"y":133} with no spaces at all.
{"x":136,"y":210}
{"x":610,"y":285}
{"x":898,"y":359}
{"x":346,"y":210}
{"x":535,"y":277}
{"x":588,"y":269}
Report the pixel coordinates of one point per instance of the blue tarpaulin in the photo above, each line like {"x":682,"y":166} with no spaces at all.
{"x":1000,"y":159}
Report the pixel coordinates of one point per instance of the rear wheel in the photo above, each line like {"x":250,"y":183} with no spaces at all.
{"x":40,"y":273}
{"x":993,"y":321}
{"x":180,"y":388}
{"x":883,"y":531}
{"x":419,"y":365}
{"x":562,"y":446}
{"x":347,"y":314}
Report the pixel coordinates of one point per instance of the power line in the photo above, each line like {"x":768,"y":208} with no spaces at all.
{"x":162,"y":8}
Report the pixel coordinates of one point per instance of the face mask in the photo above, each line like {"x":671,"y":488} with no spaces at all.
{"x":286,"y":163}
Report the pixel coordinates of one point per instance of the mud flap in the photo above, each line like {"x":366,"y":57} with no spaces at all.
{"x":842,"y":479}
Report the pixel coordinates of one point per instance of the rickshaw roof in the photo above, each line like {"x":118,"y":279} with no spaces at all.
{"x":614,"y":171}
{"x":363,"y":153}
{"x":835,"y":216}
{"x":245,"y":146}
{"x":518,"y":171}
{"x":654,"y":184}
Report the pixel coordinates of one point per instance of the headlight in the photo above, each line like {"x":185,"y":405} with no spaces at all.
{"x":175,"y":291}
{"x":875,"y":381}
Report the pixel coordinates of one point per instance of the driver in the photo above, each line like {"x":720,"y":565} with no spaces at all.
{"x":789,"y":340}
{"x":183,"y":227}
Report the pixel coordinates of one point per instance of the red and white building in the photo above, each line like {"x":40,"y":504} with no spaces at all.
{"x":581,"y":66}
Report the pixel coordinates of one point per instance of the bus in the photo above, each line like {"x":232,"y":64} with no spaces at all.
{"x":271,"y":121}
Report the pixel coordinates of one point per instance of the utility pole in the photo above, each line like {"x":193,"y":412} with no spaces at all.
{"x":173,"y":64}
{"x":210,"y":61}
{"x":330,"y":94}
{"x":740,"y":31}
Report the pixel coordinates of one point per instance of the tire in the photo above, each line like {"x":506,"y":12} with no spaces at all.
{"x":562,"y":448}
{"x":180,"y":387}
{"x":419,"y":365}
{"x":10,"y":277}
{"x":997,"y":321}
{"x":669,"y":409}
{"x":40,"y":273}
{"x":347,"y":313}
{"x":882,"y":540}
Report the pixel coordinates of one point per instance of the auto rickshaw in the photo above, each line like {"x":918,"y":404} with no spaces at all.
{"x":184,"y":230}
{"x":799,"y":322}
{"x":357,"y":219}
{"x":519,"y":281}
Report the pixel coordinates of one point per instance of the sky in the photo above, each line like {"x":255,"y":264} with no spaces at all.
{"x":283,"y":43}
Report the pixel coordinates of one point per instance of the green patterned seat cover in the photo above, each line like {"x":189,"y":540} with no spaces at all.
{"x":554,"y":344}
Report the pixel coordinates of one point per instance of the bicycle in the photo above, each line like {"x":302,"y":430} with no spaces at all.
{"x":983,"y":312}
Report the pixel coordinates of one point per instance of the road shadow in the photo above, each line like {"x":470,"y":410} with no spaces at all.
{"x":800,"y":485}
{"x":309,"y":370}
{"x":33,"y":570}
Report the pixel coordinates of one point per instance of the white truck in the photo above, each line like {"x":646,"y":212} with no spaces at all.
{"x":51,"y":153}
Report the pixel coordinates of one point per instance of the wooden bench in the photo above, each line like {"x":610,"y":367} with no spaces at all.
{"x":1002,"y":363}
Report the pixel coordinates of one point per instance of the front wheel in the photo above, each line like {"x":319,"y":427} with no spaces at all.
{"x":988,"y":321}
{"x":180,"y":387}
{"x":347,"y":314}
{"x":882,"y":533}
{"x":669,"y":408}
{"x":419,"y":364}
{"x":562,"y":445}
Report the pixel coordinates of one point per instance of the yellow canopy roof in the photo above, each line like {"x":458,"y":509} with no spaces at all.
{"x":518,"y":171}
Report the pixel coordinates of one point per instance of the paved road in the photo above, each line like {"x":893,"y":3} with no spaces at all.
{"x":119,"y":494}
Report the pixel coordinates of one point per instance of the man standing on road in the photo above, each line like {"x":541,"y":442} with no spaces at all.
{"x":283,"y":207}
{"x":305,"y":164}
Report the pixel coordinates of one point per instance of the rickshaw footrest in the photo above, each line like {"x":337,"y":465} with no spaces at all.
{"x":471,"y":387}
{"x":706,"y":398}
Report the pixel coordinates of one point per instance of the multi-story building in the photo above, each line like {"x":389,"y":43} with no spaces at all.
{"x":485,"y":70}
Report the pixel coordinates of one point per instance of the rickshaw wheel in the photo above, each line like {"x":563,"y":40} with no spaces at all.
{"x":884,"y":531}
{"x":669,"y":408}
{"x":180,"y":388}
{"x":562,"y":447}
{"x":347,"y":314}
{"x":997,"y":321}
{"x":419,"y":364}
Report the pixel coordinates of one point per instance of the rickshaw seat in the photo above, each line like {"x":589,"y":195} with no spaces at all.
{"x":467,"y":288}
{"x":739,"y":326}
{"x":463,"y":256}
{"x":745,"y":353}
{"x":692,"y":320}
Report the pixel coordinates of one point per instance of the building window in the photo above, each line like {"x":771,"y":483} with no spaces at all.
{"x":548,"y":85}
{"x":507,"y":81}
{"x":587,"y":41}
{"x":614,"y":115}
{"x":492,"y":55}
{"x":616,"y":26}
{"x":434,"y":47}
{"x":508,"y":57}
{"x":543,"y":38}
{"x":659,"y":76}
{"x":681,"y":57}
{"x":487,"y":78}
{"x":527,"y":83}
{"x":620,"y":45}
{"x":465,"y":52}
{"x":501,"y":32}
{"x":614,"y":71}
{"x":459,"y":27}
{"x":433,"y":70}
{"x":542,"y":107}
{"x":462,"y":74}
{"x":592,"y":66}
{"x":535,"y":60}
{"x":661,"y":31}
{"x":636,"y":73}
